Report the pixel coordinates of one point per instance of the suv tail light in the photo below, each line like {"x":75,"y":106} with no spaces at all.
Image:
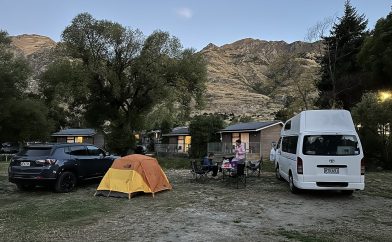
{"x":300,"y":168}
{"x":363,"y":166}
{"x":46,"y":161}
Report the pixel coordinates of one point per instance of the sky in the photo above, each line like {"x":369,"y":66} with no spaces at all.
{"x":195,"y":22}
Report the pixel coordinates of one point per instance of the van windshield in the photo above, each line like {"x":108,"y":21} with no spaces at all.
{"x":336,"y":145}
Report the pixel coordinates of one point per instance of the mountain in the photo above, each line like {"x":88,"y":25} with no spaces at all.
{"x":231,"y":71}
{"x":30,"y":44}
{"x":38,"y":51}
{"x":233,"y":68}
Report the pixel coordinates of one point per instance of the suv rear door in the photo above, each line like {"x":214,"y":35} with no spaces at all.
{"x":25,"y":161}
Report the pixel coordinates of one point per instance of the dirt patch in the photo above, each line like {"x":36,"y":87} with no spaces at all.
{"x":215,"y":210}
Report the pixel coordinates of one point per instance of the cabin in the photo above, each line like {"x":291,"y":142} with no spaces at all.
{"x":179,"y":141}
{"x":257,"y":138}
{"x":88,"y":136}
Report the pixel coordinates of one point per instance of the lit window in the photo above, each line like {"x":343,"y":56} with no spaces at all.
{"x":79,"y":139}
{"x":70,"y":140}
{"x":235,"y":137}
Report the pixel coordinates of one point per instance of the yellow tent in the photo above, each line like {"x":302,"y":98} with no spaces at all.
{"x":131,"y":174}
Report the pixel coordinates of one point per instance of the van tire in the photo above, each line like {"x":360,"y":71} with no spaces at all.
{"x":277,"y":174}
{"x":292,"y":187}
{"x":66,"y":182}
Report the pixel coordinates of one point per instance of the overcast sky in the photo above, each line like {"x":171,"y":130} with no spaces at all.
{"x":195,"y":22}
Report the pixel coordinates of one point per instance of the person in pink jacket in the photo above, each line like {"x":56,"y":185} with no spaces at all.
{"x":240,"y":156}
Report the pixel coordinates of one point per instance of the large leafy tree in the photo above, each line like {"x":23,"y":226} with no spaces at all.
{"x":22,"y":118}
{"x":65,"y":92}
{"x":129,"y":75}
{"x":374,"y":117}
{"x":341,"y":83}
{"x":376,"y":53}
{"x":204,"y":129}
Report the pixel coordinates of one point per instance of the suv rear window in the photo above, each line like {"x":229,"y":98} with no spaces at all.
{"x":336,"y":145}
{"x":36,"y":151}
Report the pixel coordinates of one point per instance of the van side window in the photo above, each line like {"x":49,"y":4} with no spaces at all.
{"x":287,"y":125}
{"x":289,"y":144}
{"x":278,"y":144}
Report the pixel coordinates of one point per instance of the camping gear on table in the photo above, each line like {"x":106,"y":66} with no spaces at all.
{"x":132,"y":174}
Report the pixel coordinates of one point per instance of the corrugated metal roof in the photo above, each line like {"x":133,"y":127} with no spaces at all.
{"x":75,"y":132}
{"x":178,"y":131}
{"x":251,"y":126}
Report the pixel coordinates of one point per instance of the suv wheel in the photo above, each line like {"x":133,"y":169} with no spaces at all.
{"x":25,"y":187}
{"x":66,"y":182}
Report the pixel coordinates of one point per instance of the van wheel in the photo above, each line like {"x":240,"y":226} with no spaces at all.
{"x":66,"y":182}
{"x":293,"y":188}
{"x":277,"y":174}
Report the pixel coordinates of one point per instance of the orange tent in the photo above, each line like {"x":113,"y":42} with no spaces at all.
{"x":131,"y":174}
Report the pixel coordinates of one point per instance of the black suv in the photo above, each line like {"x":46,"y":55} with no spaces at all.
{"x":61,"y":165}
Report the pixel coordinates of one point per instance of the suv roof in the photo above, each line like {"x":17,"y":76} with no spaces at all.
{"x":49,"y":145}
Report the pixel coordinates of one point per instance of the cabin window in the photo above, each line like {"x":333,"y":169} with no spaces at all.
{"x":336,"y":145}
{"x":79,"y":139}
{"x":235,"y":137}
{"x":70,"y":139}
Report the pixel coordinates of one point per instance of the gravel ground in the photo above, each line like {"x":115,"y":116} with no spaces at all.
{"x":216,"y":210}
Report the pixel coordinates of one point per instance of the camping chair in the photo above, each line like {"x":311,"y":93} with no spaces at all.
{"x":197,"y":171}
{"x":253,"y":168}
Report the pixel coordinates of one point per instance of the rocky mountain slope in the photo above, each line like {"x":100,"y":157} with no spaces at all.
{"x":38,"y":51}
{"x":231,"y":69}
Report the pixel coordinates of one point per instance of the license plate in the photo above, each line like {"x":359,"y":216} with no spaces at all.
{"x":329,"y":170}
{"x":25,"y":164}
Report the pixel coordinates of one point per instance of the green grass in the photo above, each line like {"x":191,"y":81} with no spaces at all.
{"x":378,"y":184}
{"x":268,"y":166}
{"x":174,"y":162}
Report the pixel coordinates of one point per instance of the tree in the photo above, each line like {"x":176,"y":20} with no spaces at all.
{"x":14,"y":71}
{"x":22,"y":118}
{"x":204,"y":129}
{"x":25,"y":120}
{"x":341,"y":83}
{"x":129,"y":75}
{"x":376,"y":54}
{"x":374,"y":117}
{"x":65,"y":91}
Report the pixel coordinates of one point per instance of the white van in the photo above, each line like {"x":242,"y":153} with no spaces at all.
{"x":321,"y":150}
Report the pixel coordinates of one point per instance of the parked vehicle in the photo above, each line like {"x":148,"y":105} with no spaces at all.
{"x":9,"y":148}
{"x":321,"y":150}
{"x":58,"y":165}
